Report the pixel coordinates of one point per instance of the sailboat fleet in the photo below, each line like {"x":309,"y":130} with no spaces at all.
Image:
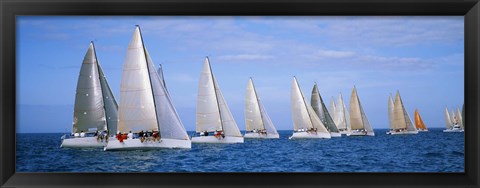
{"x":146,"y":118}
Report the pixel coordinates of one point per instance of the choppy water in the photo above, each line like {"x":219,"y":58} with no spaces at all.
{"x":432,"y":151}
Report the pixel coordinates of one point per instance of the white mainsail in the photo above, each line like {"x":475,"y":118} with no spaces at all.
{"x":333,"y":110}
{"x":93,"y":109}
{"x":459,"y":118}
{"x":358,"y":119}
{"x":212,"y":111}
{"x":321,"y":110}
{"x":144,"y":102}
{"x":342,"y":117}
{"x":401,"y":118}
{"x":390,"y":112}
{"x":303,"y":115}
{"x":255,"y":114}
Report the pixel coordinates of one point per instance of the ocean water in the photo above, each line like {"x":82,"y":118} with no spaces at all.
{"x":432,"y":151}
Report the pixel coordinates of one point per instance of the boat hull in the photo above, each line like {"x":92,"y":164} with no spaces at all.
{"x":345,"y":132}
{"x":85,"y":142}
{"x":215,"y":140}
{"x":361,"y":133}
{"x":422,"y":130}
{"x":305,"y":135}
{"x":257,"y":135}
{"x":403,"y":132}
{"x":136,"y":144}
{"x":453,"y":130}
{"x":333,"y":134}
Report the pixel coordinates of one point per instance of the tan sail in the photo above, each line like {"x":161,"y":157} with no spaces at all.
{"x":358,"y":119}
{"x":419,"y":122}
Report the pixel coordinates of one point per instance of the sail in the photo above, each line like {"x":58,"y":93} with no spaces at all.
{"x":333,"y":110}
{"x":459,"y":118}
{"x":110,"y":104}
{"x":448,"y":120}
{"x":418,"y":121}
{"x":358,"y":119}
{"x":321,"y":110}
{"x":168,"y":120}
{"x":253,"y":116}
{"x":342,"y":119}
{"x":229,"y":125}
{"x":208,"y":116}
{"x":89,"y":111}
{"x":267,"y":122}
{"x":137,"y":106}
{"x":300,"y":115}
{"x":390,"y":112}
{"x":401,"y":119}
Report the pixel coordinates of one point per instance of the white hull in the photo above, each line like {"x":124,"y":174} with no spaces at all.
{"x":257,"y":135}
{"x":361,"y":133}
{"x":135,"y":144}
{"x":214,"y":140}
{"x":345,"y":132}
{"x":83,"y":142}
{"x":335,"y":134}
{"x":453,"y":130}
{"x":422,"y":130}
{"x":402,"y":132}
{"x":302,"y":135}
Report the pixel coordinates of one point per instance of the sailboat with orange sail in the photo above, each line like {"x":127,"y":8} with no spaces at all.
{"x":419,"y":122}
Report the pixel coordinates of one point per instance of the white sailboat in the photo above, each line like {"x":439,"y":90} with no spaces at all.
{"x":390,"y":114}
{"x":342,"y":117}
{"x":257,"y":122}
{"x":458,"y":116}
{"x":451,"y":123}
{"x":359,"y":122}
{"x":146,"y":111}
{"x":402,"y":124}
{"x":214,"y":123}
{"x":321,"y":110}
{"x":306,"y":123}
{"x":95,"y":110}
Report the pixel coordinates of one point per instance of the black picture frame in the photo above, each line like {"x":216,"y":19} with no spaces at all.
{"x":9,"y":9}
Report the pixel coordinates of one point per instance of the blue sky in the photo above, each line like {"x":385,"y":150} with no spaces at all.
{"x":422,"y":57}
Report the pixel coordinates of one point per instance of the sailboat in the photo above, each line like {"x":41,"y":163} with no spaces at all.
{"x":257,"y":122}
{"x":463,"y":115}
{"x":419,"y":122}
{"x":402,"y":124}
{"x":214,"y":123}
{"x":390,"y":114}
{"x":359,"y":122}
{"x":322,"y":112}
{"x":146,"y":111}
{"x":306,"y":123}
{"x":451,"y":125}
{"x":342,"y":117}
{"x":95,"y":110}
{"x":458,"y":115}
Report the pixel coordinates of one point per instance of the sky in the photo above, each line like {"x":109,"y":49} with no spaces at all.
{"x":421,"y":57}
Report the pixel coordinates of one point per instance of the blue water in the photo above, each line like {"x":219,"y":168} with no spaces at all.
{"x":432,"y":151}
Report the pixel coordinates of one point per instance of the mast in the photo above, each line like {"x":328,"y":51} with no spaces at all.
{"x":216,"y":97}
{"x":149,"y":79}
{"x":258,"y":103}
